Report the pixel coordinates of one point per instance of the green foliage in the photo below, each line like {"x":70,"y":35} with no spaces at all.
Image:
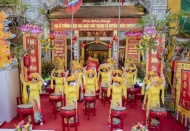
{"x":162,"y":27}
{"x":141,"y":71}
{"x":42,"y":11}
{"x":9,"y":1}
{"x":186,"y":46}
{"x":168,"y":28}
{"x":19,"y":51}
{"x":47,"y":67}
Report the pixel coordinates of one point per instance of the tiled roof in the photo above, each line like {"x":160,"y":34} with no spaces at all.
{"x":98,"y":12}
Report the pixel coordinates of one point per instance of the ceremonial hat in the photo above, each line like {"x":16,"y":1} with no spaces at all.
{"x":157,"y":79}
{"x":117,"y":79}
{"x":90,"y":72}
{"x":71,"y":78}
{"x":34,"y":75}
{"x":117,"y":72}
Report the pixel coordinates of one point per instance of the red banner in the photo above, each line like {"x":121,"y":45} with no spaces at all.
{"x":154,"y":61}
{"x":174,"y":80}
{"x":61,"y":47}
{"x":185,"y":90}
{"x":35,"y":54}
{"x":131,"y":51}
{"x":94,"y":24}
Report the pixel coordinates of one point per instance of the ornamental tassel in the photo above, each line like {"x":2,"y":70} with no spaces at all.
{"x":182,"y":118}
{"x":185,"y":121}
{"x":177,"y":116}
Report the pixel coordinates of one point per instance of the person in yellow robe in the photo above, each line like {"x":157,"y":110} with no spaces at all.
{"x":117,"y":73}
{"x":79,"y":73}
{"x":154,"y":95}
{"x":91,"y":83}
{"x":61,"y":63}
{"x":146,"y":83}
{"x":130,"y":75}
{"x":105,"y":73}
{"x":59,"y":84}
{"x":33,"y":97}
{"x":72,"y":93}
{"x":128,"y":61}
{"x":112,"y":62}
{"x":74,"y":63}
{"x":117,"y":90}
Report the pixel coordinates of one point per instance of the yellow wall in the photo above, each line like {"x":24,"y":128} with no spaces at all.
{"x":175,"y":5}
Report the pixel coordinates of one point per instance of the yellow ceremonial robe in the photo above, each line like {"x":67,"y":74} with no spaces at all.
{"x":34,"y":98}
{"x":91,"y":85}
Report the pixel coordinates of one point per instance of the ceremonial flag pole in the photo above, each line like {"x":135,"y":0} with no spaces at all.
{"x":72,"y":7}
{"x":118,"y":32}
{"x":71,"y":38}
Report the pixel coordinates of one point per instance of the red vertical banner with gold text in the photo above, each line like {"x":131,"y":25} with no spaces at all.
{"x":130,"y":50}
{"x":60,"y":50}
{"x":184,"y":91}
{"x":154,"y":62}
{"x":32,"y":42}
{"x":174,"y":84}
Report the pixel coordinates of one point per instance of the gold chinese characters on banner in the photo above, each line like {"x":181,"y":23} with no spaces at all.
{"x":183,"y":93}
{"x":32,"y":43}
{"x":60,"y":50}
{"x":132,"y":52}
{"x":154,"y":62}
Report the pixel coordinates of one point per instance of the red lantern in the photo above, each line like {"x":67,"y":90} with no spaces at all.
{"x":83,"y":45}
{"x":27,"y":61}
{"x":52,"y":37}
{"x":138,"y":37}
{"x":109,"y":45}
{"x":115,"y":38}
{"x":74,"y":38}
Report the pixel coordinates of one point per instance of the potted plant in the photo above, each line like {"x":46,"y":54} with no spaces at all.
{"x":47,"y":67}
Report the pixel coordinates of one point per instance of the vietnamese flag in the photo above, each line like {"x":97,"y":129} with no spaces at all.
{"x":73,"y":5}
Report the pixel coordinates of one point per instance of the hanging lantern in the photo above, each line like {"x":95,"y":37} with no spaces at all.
{"x":109,"y":45}
{"x":83,"y":45}
{"x":115,"y":38}
{"x":138,"y":37}
{"x":74,"y":38}
{"x":27,"y":61}
{"x":51,"y":36}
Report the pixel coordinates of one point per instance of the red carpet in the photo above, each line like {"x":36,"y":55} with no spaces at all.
{"x":98,"y":122}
